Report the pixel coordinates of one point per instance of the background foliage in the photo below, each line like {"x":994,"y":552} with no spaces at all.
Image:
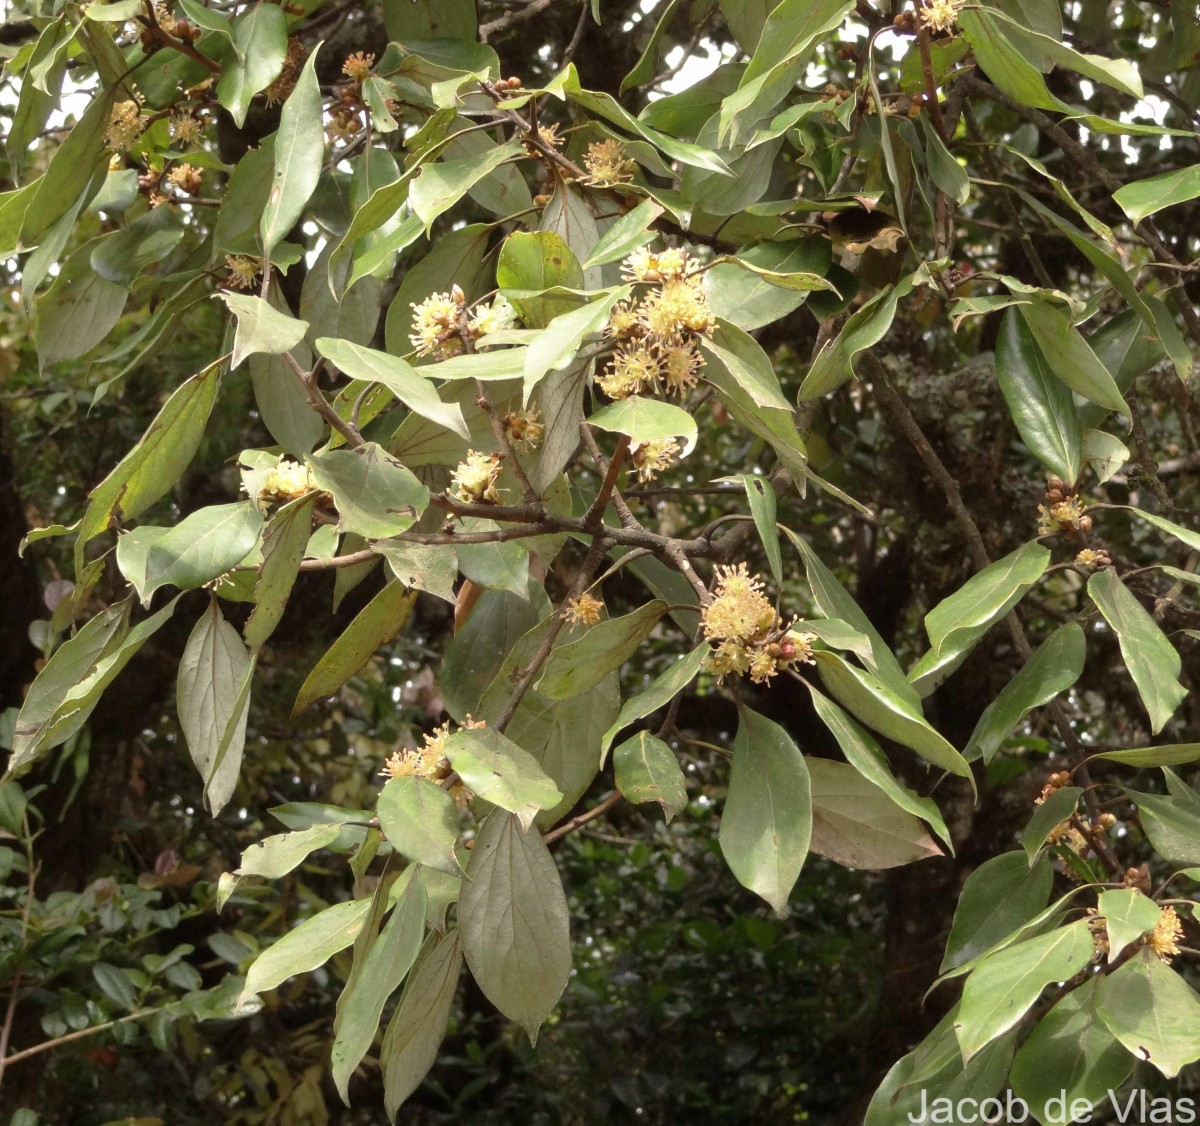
{"x":943,"y":328}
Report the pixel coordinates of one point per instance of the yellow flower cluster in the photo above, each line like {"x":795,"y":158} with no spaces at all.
{"x":658,"y":334}
{"x":441,"y":322}
{"x":584,"y":610}
{"x":1164,"y":939}
{"x":651,"y":458}
{"x":474,"y":480}
{"x":358,"y":66}
{"x":186,"y":127}
{"x":607,"y":164}
{"x":187,"y":178}
{"x":125,"y":125}
{"x":941,"y":15}
{"x":1065,"y":515}
{"x":285,"y":481}
{"x":435,"y":324}
{"x":428,"y":760}
{"x":242,"y":270}
{"x":1093,"y":559}
{"x":749,"y":636}
{"x":490,"y":318}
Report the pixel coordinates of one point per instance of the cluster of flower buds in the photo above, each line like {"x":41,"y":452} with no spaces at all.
{"x":508,"y":85}
{"x":1053,"y":784}
{"x":607,"y":165}
{"x":1062,"y":510}
{"x":748,"y":635}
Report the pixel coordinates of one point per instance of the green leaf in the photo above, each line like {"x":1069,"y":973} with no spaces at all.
{"x":646,"y":420}
{"x":1184,"y":535}
{"x":211,"y":671}
{"x":387,"y":962}
{"x":440,"y":186}
{"x":261,"y":328}
{"x":70,"y":171}
{"x":1128,"y":914}
{"x":115,"y":985}
{"x":647,"y":770}
{"x":857,"y":825}
{"x":427,"y":567}
{"x":378,"y":622}
{"x":1104,"y":453}
{"x":579,"y":665}
{"x":123,"y":255}
{"x":1074,"y":361}
{"x":259,"y":48}
{"x":418,"y":1025}
{"x":1000,"y":991}
{"x":1040,"y":403}
{"x":875,"y":704}
{"x":958,"y":622}
{"x":69,"y":686}
{"x":766,"y":824}
{"x":744,"y":359}
{"x":77,"y":312}
{"x":834,"y":601}
{"x":1170,"y":754}
{"x":793,"y":31}
{"x":285,"y":540}
{"x":420,"y":821}
{"x":742,"y":292}
{"x":630,"y":231}
{"x":202,"y":547}
{"x":513,"y":920}
{"x":1056,"y":809}
{"x":1000,"y":897}
{"x":277,"y":855}
{"x":497,"y":566}
{"x":865,"y":755}
{"x":283,"y":405}
{"x":605,"y":106}
{"x":535,"y":261}
{"x":1070,"y":1062}
{"x":306,"y":947}
{"x":1150,"y":658}
{"x":1172,"y":824}
{"x":866,"y":327}
{"x":935,"y":1071}
{"x":376,"y":496}
{"x":1055,"y":666}
{"x":1153,"y":1012}
{"x":299,"y":157}
{"x":1145,"y":197}
{"x":659,"y":692}
{"x":495,"y":769}
{"x":559,"y":343}
{"x":400,"y":378}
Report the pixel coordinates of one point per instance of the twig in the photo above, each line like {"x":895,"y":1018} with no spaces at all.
{"x":503,"y":23}
{"x":58,"y":1041}
{"x":318,"y":402}
{"x":589,"y":439}
{"x":613,"y":799}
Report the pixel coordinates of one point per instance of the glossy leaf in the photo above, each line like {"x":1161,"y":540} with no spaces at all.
{"x":494,"y":768}
{"x":1040,"y":403}
{"x":306,"y":947}
{"x":1145,"y":197}
{"x":658,"y":693}
{"x":1006,"y":985}
{"x":1074,"y":361}
{"x":1150,"y":658}
{"x":647,"y":420}
{"x":1055,"y":666}
{"x":202,"y":546}
{"x":1071,"y":1061}
{"x":387,"y":962}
